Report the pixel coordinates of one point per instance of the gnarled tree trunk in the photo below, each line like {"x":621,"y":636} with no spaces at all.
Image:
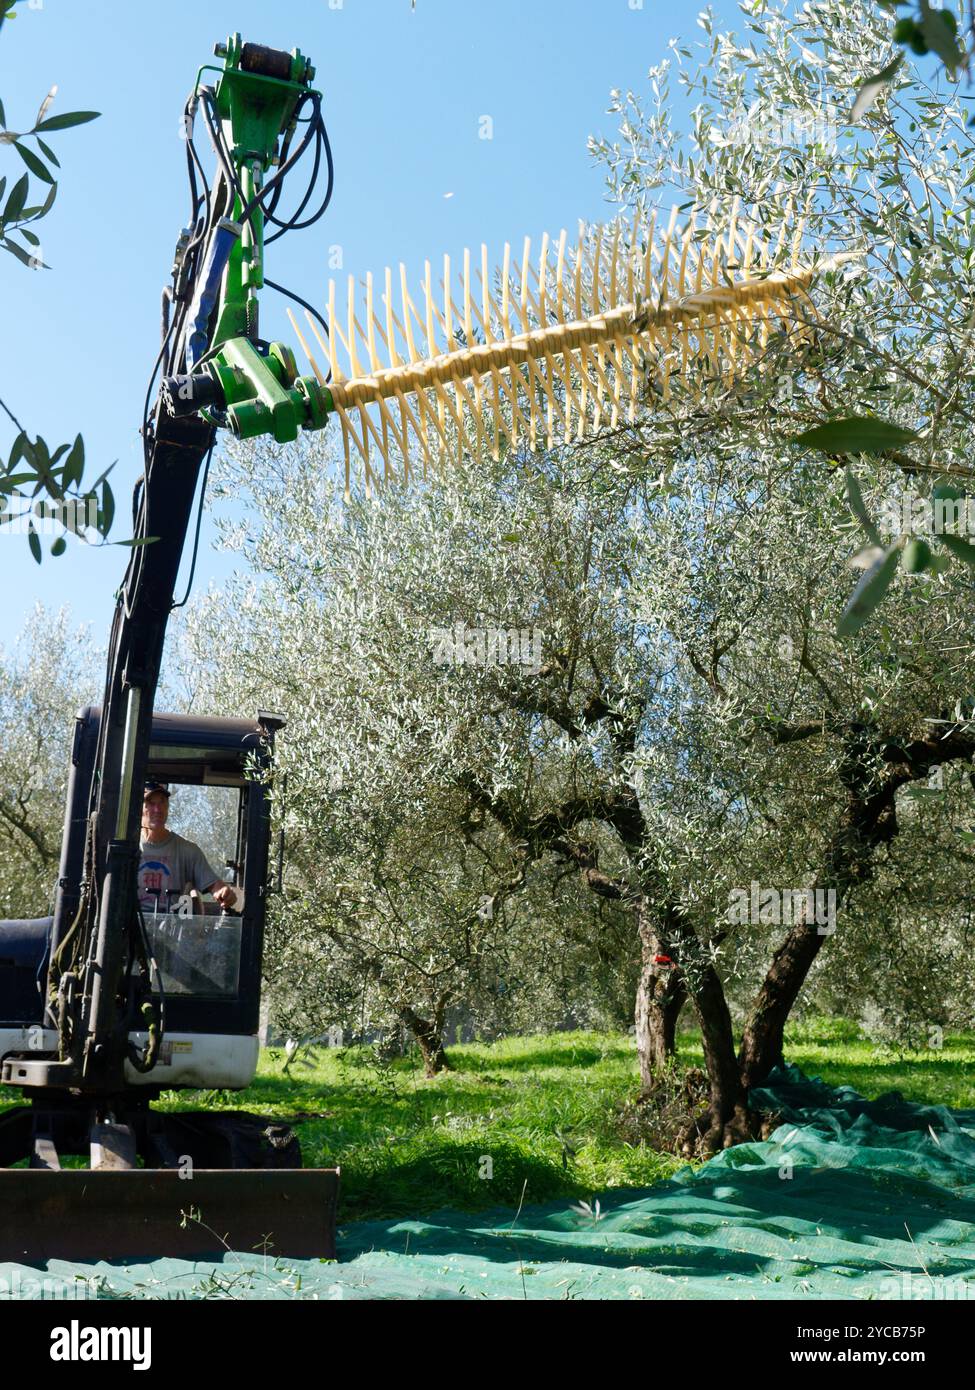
{"x":429,"y":1036}
{"x":725,"y":1120}
{"x":763,"y":1036}
{"x":868,"y":820}
{"x":660,"y":996}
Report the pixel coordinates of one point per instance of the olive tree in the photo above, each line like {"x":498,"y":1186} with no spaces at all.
{"x":672,"y":718}
{"x":874,"y":367}
{"x":43,"y":681}
{"x":648,"y":585}
{"x":396,"y":638}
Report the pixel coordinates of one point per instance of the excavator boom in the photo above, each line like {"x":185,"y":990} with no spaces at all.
{"x":131,"y":1007}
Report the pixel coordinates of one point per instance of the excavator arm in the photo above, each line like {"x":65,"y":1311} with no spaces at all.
{"x":135,"y":1004}
{"x":261,"y":116}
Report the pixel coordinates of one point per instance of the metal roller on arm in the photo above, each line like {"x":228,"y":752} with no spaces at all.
{"x":557,"y":346}
{"x":542,"y":349}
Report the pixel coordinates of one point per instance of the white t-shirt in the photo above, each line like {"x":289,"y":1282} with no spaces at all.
{"x":170,"y":868}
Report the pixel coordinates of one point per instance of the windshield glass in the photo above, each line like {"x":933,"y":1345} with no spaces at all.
{"x":189,"y":842}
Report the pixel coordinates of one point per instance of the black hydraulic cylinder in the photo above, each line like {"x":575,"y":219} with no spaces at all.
{"x":189,"y":392}
{"x":118,"y":888}
{"x":266,"y":62}
{"x":176,"y":452}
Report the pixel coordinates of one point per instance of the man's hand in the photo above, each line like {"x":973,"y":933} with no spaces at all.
{"x":225,"y":894}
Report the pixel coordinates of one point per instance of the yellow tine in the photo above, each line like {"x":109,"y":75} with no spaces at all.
{"x":410,"y":344}
{"x":524,"y":285}
{"x":560,"y":280}
{"x":543,"y":283}
{"x":489,"y":338}
{"x":333,"y":355}
{"x":394,"y":357}
{"x":374,"y":364}
{"x":428,"y":292}
{"x":509,"y":390}
{"x":505,"y":287}
{"x":305,"y":348}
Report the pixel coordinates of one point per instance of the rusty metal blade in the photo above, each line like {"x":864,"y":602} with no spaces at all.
{"x":89,"y":1216}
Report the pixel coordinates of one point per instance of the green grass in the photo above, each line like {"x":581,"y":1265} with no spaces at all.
{"x":836,"y":1050}
{"x":540,"y":1108}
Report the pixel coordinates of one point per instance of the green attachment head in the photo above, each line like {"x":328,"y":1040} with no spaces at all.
{"x":230,"y":377}
{"x":271,"y":62}
{"x":265,"y":395}
{"x":256,"y":97}
{"x":257,"y":94}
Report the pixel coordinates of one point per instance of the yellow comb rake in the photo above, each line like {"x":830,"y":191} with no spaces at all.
{"x":557,"y":349}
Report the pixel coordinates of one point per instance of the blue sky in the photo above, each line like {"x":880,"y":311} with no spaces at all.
{"x":404,"y":92}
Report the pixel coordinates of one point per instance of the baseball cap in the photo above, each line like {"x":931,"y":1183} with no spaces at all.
{"x":155,"y":787}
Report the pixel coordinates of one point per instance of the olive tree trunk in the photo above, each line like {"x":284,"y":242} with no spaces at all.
{"x":429,"y":1037}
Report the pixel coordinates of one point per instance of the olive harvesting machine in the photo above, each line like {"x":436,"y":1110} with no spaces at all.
{"x":104,"y":1006}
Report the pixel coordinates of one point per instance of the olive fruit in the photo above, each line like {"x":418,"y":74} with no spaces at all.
{"x":917,"y":555}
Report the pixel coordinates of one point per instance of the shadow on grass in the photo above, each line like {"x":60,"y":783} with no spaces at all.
{"x":426,"y":1176}
{"x":929,"y":1081}
{"x":563,"y":1058}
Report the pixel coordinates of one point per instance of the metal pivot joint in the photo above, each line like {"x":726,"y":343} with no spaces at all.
{"x":232,"y":378}
{"x":258,"y":392}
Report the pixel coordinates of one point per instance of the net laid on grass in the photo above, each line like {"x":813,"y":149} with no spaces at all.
{"x":848,"y":1199}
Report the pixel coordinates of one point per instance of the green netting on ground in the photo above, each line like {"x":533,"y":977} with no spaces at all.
{"x":848,"y":1199}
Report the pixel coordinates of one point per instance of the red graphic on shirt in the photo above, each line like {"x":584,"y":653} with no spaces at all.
{"x":152,"y":873}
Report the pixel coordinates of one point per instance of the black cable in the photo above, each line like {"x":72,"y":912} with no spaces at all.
{"x":219,"y":144}
{"x":295,"y":226}
{"x":273,"y":186}
{"x":147,"y":403}
{"x":177,"y":317}
{"x":137,"y":501}
{"x":174,"y":329}
{"x":196,"y":199}
{"x":291,"y":161}
{"x":216,"y":136}
{"x":193,"y":158}
{"x":285,"y":151}
{"x":133,"y":573}
{"x":272,"y":285}
{"x":196,"y":539}
{"x":319,"y":126}
{"x":202,"y":228}
{"x":291,"y":223}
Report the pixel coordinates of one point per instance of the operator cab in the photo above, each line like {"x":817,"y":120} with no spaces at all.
{"x":208,"y":958}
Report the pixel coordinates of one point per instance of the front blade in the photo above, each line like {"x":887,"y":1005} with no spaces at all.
{"x":90,"y":1216}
